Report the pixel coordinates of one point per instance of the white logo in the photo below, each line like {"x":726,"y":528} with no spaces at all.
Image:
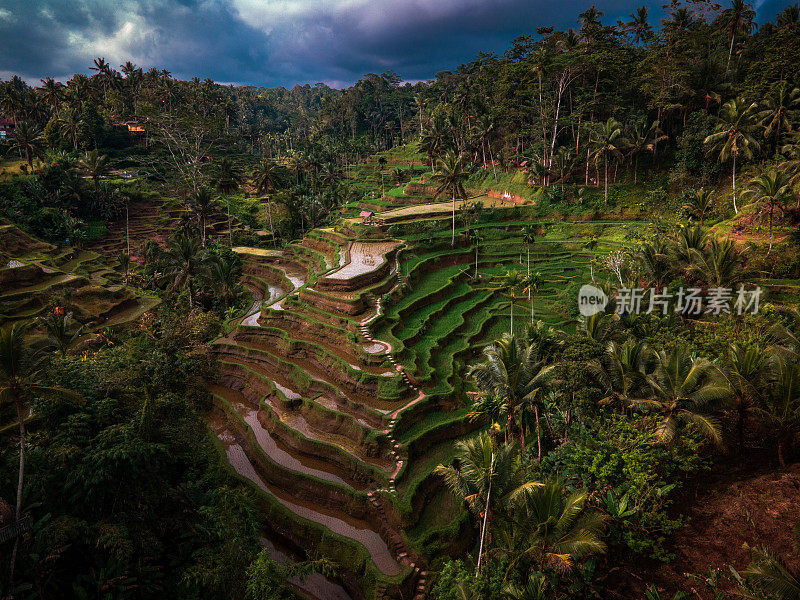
{"x":591,"y":300}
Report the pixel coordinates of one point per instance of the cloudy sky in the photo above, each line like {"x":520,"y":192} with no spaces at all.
{"x":280,"y":42}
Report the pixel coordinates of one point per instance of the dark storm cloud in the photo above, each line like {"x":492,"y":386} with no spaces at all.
{"x":278,"y":42}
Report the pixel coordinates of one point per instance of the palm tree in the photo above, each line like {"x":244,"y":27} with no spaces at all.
{"x":642,"y":30}
{"x":551,"y":528}
{"x":183,"y":262}
{"x":655,"y":262}
{"x":103,"y":73}
{"x":770,"y":574}
{"x":477,"y":238}
{"x":488,"y":478}
{"x":718,"y":264}
{"x":771,"y":188}
{"x":684,"y":390}
{"x":512,"y":282}
{"x":734,"y":135}
{"x":451,"y":176}
{"x":699,"y":204}
{"x":95,"y":165}
{"x":535,"y":588}
{"x":267,"y":178}
{"x":590,"y":245}
{"x":201,"y":202}
{"x":20,"y":381}
{"x":530,"y":284}
{"x":28,"y":139}
{"x":747,"y":371}
{"x":419,"y":104}
{"x":124,"y":260}
{"x":782,"y":406}
{"x":640,"y":138}
{"x":513,"y":371}
{"x":621,"y":371}
{"x":737,"y":19}
{"x":788,"y":16}
{"x":528,"y":238}
{"x":779,"y":111}
{"x":489,"y":407}
{"x":228,"y":180}
{"x":69,"y":125}
{"x":607,"y":139}
{"x":60,"y":333}
{"x":224,"y":273}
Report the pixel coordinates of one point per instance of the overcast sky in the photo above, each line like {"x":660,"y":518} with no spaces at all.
{"x":280,"y":42}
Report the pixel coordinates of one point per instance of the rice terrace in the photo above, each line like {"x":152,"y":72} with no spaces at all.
{"x":525,"y":330}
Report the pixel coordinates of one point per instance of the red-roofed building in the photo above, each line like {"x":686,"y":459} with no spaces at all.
{"x":6,"y":127}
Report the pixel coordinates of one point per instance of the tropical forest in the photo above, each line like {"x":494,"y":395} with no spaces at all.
{"x":525,"y":330}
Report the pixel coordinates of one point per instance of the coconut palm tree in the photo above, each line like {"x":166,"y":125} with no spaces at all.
{"x":747,"y":372}
{"x":621,"y":371}
{"x":451,"y":176}
{"x":737,"y":19}
{"x":782,"y":406}
{"x":95,"y":165}
{"x":227,"y":180}
{"x":477,"y":238}
{"x":550,"y":528}
{"x":684,"y":390}
{"x":779,"y":111}
{"x":61,"y":334}
{"x":641,"y":137}
{"x":267,"y":178}
{"x":224,"y":273}
{"x":535,"y":588}
{"x":718,"y":264}
{"x":29,"y":141}
{"x":655,"y":261}
{"x":771,"y":188}
{"x":530,"y":285}
{"x":489,"y":407}
{"x":513,"y":371}
{"x":528,"y":238}
{"x":770,"y":574}
{"x":607,"y":140}
{"x":201,"y":202}
{"x":638,"y":25}
{"x":69,"y":125}
{"x":699,"y":203}
{"x":183,"y":262}
{"x":21,"y":381}
{"x":512,"y":282}
{"x":689,"y":240}
{"x":124,"y":260}
{"x":488,"y":478}
{"x":734,"y":135}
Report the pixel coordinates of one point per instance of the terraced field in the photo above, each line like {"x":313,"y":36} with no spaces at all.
{"x":341,"y":390}
{"x":35,"y":276}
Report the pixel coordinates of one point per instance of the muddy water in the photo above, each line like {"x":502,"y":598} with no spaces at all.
{"x":351,"y":528}
{"x":365,"y":257}
{"x":290,"y":394}
{"x":251,"y":320}
{"x":277,"y":454}
{"x":374,"y":348}
{"x":314,"y":584}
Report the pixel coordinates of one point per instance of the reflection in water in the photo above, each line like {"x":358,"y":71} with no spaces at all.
{"x":315,"y":584}
{"x":353,"y":529}
{"x":275,"y":452}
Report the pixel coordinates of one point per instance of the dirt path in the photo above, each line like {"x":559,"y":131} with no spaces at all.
{"x":730,"y":510}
